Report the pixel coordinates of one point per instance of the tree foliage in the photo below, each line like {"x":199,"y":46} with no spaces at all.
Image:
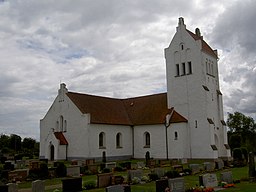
{"x":242,"y":131}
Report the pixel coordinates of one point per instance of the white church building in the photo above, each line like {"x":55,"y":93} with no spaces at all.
{"x":187,"y":122}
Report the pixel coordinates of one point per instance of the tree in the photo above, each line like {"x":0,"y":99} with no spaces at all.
{"x":15,"y":142}
{"x":28,"y":143}
{"x":244,"y":127}
{"x":4,"y":141}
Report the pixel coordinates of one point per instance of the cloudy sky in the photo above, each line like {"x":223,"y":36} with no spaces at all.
{"x":113,"y":48}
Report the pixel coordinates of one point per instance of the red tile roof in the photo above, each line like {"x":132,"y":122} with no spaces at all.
{"x":61,"y":138}
{"x":205,"y":47}
{"x":145,"y":110}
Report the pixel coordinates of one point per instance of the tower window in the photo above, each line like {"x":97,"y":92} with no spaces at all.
{"x":189,"y":67}
{"x":183,"y":69}
{"x":175,"y":135}
{"x":177,"y":70}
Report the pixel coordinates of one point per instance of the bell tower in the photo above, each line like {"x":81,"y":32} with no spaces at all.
{"x":193,"y":90}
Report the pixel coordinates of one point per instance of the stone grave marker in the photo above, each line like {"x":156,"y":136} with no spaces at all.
{"x":161,"y":185}
{"x":164,"y":163}
{"x":115,"y":188}
{"x":104,"y":180}
{"x":93,"y":168}
{"x":226,"y":177}
{"x":208,"y":180}
{"x":73,"y":171}
{"x":158,"y":171}
{"x":18,"y":175}
{"x":110,"y":165}
{"x":89,"y":161}
{"x":219,"y":164}
{"x":72,"y":184}
{"x":134,"y":173}
{"x":12,"y":187}
{"x":134,"y":166}
{"x":38,"y":186}
{"x":3,"y":187}
{"x":195,"y":168}
{"x":252,"y":171}
{"x":140,"y":164}
{"x":184,"y":161}
{"x":209,"y":166}
{"x":117,"y":180}
{"x":177,"y":184}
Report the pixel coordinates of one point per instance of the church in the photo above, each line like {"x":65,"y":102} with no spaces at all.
{"x":187,"y":122}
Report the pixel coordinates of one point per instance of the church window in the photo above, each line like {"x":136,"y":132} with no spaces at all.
{"x":61,"y":123}
{"x":189,"y":67}
{"x":196,"y":123}
{"x":175,"y":135}
{"x":147,"y":139}
{"x":118,"y":140}
{"x":182,"y":47}
{"x":177,"y":70}
{"x":102,"y":140}
{"x":183,"y":69}
{"x":57,"y":125}
{"x":65,"y":125}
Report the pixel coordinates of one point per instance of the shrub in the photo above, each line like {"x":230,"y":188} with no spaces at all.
{"x":90,"y":185}
{"x":187,"y":171}
{"x":237,"y":154}
{"x":172,"y":174}
{"x":106,"y":170}
{"x":135,"y":180}
{"x":153,"y":176}
{"x":244,"y":153}
{"x":43,"y":174}
{"x":118,"y":169}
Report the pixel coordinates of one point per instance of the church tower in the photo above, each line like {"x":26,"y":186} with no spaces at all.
{"x":193,"y":90}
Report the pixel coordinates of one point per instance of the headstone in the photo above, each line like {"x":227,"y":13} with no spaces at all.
{"x":18,"y":175}
{"x":134,"y":166}
{"x":140,"y":164}
{"x":161,"y":185}
{"x":3,"y":188}
{"x":38,"y":186}
{"x":89,"y":161}
{"x":72,"y":184}
{"x":208,"y":180}
{"x":178,"y":168}
{"x":110,"y":165}
{"x":177,"y":184}
{"x":164,"y":163}
{"x":158,"y":171}
{"x":93,"y":168}
{"x":73,"y":171}
{"x":195,"y":168}
{"x":115,"y":188}
{"x":209,"y":166}
{"x":184,"y":161}
{"x":252,"y":172}
{"x":104,"y":180}
{"x":12,"y":187}
{"x":117,"y":180}
{"x":226,"y":177}
{"x":134,"y":173}
{"x":220,"y":164}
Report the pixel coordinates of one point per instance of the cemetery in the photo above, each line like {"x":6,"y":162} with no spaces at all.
{"x":133,"y":175}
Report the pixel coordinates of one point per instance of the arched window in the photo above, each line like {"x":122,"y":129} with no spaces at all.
{"x":65,"y":125}
{"x":57,"y":126}
{"x":61,"y":123}
{"x":175,"y":135}
{"x":118,"y":140}
{"x":147,"y":139}
{"x":102,"y":140}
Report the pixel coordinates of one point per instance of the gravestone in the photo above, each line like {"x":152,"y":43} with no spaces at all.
{"x":38,"y":186}
{"x":104,"y":180}
{"x":184,"y":161}
{"x":3,"y":187}
{"x":226,"y":177}
{"x":195,"y":168}
{"x":208,"y":180}
{"x":89,"y":161}
{"x":72,"y":184}
{"x":110,"y":165}
{"x":12,"y":187}
{"x":134,"y":173}
{"x":161,"y":185}
{"x":219,"y":164}
{"x":252,"y":172}
{"x":115,"y":188}
{"x":117,"y":180}
{"x":18,"y":175}
{"x":209,"y":166}
{"x":158,"y":171}
{"x":177,"y":184}
{"x":140,"y":164}
{"x":73,"y":171}
{"x":93,"y":168}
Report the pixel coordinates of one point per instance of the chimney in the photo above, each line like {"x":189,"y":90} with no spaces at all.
{"x":62,"y":91}
{"x":181,"y":21}
{"x":198,"y":33}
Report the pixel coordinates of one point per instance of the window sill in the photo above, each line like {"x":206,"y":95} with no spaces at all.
{"x":102,"y":147}
{"x":147,"y":146}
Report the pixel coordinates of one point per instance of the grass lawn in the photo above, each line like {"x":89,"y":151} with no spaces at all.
{"x":190,"y":181}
